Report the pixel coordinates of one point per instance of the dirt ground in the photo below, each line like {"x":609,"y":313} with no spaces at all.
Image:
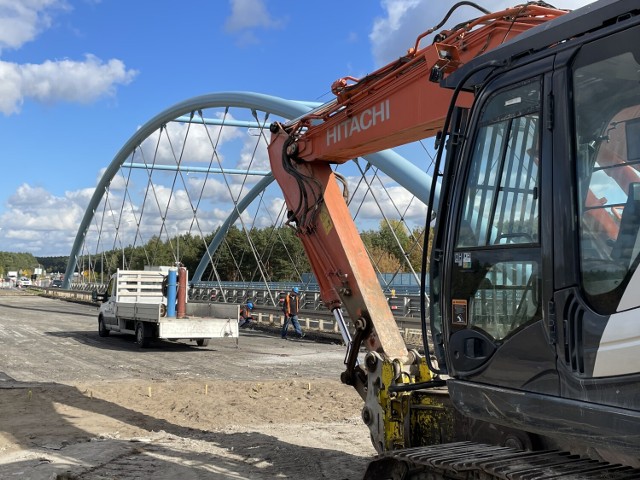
{"x":77,"y":406}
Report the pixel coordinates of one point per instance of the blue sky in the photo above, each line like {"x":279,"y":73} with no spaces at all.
{"x":77,"y":77}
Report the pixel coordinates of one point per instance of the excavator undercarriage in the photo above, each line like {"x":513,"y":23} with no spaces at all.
{"x":422,"y":436}
{"x":478,"y":461}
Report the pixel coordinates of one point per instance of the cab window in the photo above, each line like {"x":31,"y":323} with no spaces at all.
{"x":497,"y":254}
{"x":607,"y":143}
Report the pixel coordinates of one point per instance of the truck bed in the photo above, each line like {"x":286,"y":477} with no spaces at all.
{"x":202,"y":320}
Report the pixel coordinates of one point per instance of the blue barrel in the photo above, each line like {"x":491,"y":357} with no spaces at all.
{"x":171,"y":292}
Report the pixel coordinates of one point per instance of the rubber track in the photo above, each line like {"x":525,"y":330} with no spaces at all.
{"x":474,"y":461}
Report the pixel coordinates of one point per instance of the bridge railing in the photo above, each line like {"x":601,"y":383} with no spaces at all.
{"x":401,"y":304}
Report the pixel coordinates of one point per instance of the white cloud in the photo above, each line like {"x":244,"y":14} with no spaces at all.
{"x":131,"y":223}
{"x":398,"y":200}
{"x":394,"y":201}
{"x":56,"y":81}
{"x":74,"y":81}
{"x":188,"y":143}
{"x":248,"y":14}
{"x":254,"y":154}
{"x":80,"y":81}
{"x":21,"y":21}
{"x":214,"y":188}
{"x":272,"y":212}
{"x":119,"y":182}
{"x":44,"y":224}
{"x":396,"y":32}
{"x":36,"y":221}
{"x":81,"y":196}
{"x":393,"y":34}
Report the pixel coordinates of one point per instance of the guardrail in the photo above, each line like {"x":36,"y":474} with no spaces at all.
{"x":81,"y":296}
{"x":310,"y":319}
{"x":401,"y":304}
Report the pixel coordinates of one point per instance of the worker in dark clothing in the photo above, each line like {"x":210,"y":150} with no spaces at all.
{"x":290,"y":308}
{"x":245,"y":315}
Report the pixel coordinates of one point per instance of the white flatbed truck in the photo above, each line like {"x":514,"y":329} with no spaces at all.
{"x":134,"y":304}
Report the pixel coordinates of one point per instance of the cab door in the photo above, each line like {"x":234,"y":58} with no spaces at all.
{"x":492,"y":292}
{"x":108,"y":308}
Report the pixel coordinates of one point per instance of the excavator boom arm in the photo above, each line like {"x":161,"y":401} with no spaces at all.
{"x":403,"y":101}
{"x":395,"y":105}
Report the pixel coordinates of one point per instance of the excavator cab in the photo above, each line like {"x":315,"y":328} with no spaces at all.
{"x":534,"y":270}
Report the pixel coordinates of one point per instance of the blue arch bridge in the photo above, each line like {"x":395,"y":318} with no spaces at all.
{"x":201,"y":166}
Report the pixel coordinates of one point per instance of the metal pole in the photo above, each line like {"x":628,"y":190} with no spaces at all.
{"x":344,"y":331}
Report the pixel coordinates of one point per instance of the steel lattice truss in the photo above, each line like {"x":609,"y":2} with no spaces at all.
{"x":200,"y":167}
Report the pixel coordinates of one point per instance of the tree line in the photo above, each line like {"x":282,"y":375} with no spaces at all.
{"x":26,"y":263}
{"x":274,"y":253}
{"x":23,"y":263}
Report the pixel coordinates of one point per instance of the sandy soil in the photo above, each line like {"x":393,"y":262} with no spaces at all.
{"x":208,"y":429}
{"x":160,"y":426}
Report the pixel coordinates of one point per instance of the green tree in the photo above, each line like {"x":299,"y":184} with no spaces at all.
{"x":23,"y":263}
{"x":229,"y":255}
{"x":192,"y":248}
{"x":53,"y":264}
{"x":385,"y":261}
{"x":287,"y":258}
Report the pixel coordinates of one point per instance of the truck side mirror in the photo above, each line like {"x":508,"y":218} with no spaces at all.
{"x":99,"y":297}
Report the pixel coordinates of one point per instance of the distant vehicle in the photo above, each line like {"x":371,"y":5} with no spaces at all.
{"x":24,"y":282}
{"x":55,"y":284}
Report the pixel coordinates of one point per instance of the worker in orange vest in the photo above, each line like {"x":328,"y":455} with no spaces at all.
{"x":290,"y":307}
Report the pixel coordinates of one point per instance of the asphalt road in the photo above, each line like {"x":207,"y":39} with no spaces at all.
{"x":48,"y":340}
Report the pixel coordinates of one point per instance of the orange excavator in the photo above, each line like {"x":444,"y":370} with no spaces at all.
{"x":530,"y":367}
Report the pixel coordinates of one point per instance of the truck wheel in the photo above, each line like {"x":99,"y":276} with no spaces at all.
{"x":202,"y":342}
{"x":102,"y":330}
{"x":141,"y":335}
